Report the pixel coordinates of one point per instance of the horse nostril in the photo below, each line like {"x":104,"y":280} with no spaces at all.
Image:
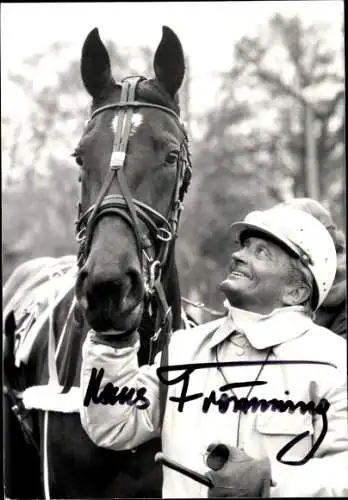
{"x":104,"y":291}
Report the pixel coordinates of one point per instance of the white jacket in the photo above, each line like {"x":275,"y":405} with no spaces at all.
{"x":285,"y":335}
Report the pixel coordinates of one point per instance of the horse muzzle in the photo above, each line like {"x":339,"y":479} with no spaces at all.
{"x":111,"y":302}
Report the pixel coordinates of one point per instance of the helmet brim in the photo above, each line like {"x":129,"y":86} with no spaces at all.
{"x":239,"y":231}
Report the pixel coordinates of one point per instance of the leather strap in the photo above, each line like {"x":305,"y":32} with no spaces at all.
{"x":166,"y":330}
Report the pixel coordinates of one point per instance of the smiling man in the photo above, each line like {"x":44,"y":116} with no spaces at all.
{"x":286,"y":434}
{"x":262,"y":276}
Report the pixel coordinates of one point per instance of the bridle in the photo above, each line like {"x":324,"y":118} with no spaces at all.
{"x":162,"y":230}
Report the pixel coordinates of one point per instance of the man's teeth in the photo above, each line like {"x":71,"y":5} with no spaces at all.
{"x":237,"y":273}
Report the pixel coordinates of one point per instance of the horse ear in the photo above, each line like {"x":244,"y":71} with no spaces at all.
{"x":169,"y":62}
{"x":95,"y":65}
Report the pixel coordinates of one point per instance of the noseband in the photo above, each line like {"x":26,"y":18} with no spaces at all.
{"x":162,"y":230}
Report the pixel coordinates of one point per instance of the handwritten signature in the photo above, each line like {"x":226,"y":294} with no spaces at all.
{"x":136,"y":397}
{"x":111,"y":394}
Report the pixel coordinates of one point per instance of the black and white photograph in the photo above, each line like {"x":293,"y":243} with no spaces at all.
{"x":174,"y":250}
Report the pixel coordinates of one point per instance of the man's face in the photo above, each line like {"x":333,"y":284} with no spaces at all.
{"x":259,"y":273}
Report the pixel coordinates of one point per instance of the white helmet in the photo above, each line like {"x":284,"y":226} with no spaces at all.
{"x":303,"y":235}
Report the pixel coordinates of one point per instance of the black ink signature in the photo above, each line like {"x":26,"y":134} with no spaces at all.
{"x":244,"y":404}
{"x":111,"y":394}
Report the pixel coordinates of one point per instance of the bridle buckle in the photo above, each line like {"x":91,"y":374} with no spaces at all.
{"x":81,"y":235}
{"x":164,"y":234}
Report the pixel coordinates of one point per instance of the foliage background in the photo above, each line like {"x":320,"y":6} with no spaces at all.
{"x":251,"y":154}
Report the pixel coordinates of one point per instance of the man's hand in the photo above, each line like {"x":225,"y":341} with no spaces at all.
{"x":236,"y":474}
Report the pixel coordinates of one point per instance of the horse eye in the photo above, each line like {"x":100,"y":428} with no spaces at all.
{"x":172,"y":157}
{"x":79,"y":161}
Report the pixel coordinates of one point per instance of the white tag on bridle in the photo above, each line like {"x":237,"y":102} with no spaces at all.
{"x":117,"y":159}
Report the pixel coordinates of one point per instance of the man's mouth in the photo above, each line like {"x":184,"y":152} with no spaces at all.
{"x":239,"y":274}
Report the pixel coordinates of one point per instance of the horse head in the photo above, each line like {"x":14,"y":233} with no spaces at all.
{"x":134,"y":171}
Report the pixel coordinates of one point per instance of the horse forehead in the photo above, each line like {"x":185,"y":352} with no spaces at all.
{"x":165,"y":127}
{"x":136,"y":120}
{"x":162,"y":126}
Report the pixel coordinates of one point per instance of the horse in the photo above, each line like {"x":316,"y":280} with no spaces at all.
{"x":135,"y":170}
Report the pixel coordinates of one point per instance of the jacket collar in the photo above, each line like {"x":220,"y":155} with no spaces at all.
{"x":270,"y":330}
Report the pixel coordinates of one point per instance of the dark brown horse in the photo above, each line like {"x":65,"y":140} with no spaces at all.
{"x":134,"y":172}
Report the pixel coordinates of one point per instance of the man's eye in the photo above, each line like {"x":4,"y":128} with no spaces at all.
{"x":339,"y":249}
{"x":261,"y":251}
{"x":172,"y":157}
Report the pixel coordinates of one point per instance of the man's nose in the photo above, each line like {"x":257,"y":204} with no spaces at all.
{"x":239,"y":254}
{"x":238,"y":257}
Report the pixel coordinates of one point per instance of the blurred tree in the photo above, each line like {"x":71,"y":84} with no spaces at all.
{"x":40,"y":188}
{"x":311,"y":72}
{"x":57,"y":109}
{"x":254,"y":150}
